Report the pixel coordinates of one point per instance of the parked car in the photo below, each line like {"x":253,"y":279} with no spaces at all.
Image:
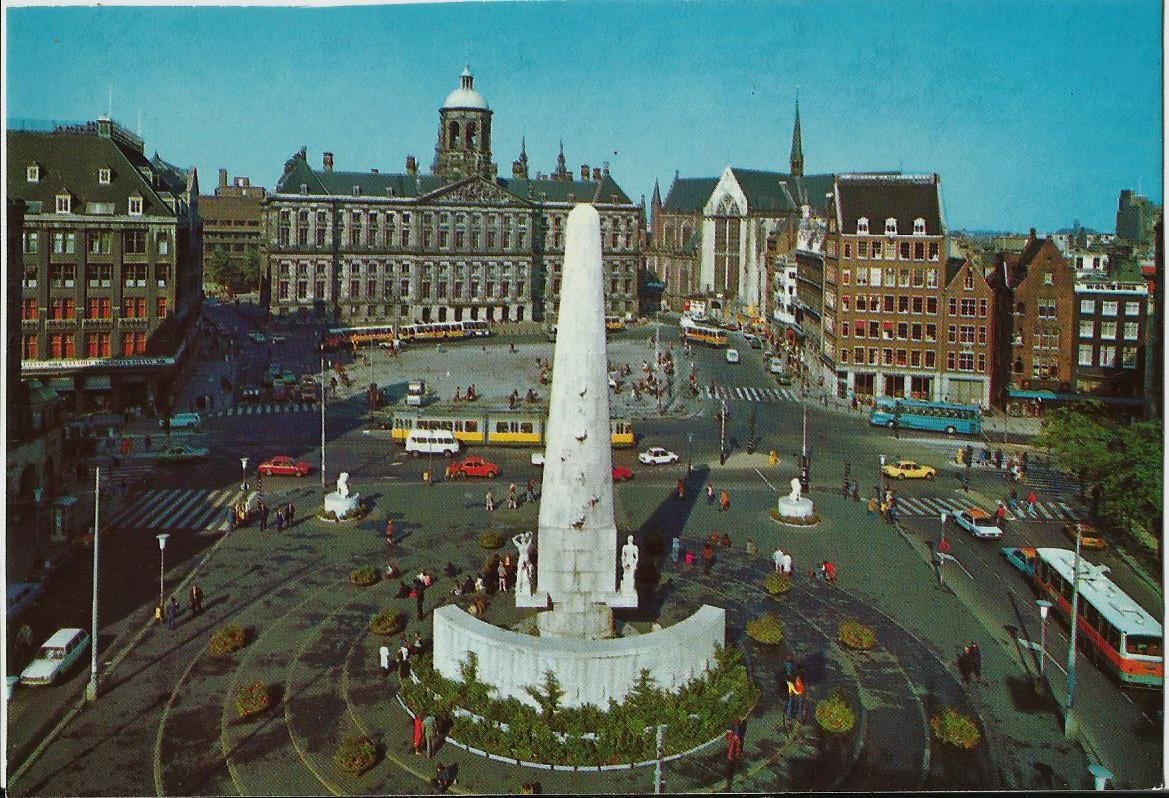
{"x":21,"y":596}
{"x":776,"y":366}
{"x":732,"y":355}
{"x":59,"y":653}
{"x":622,"y":473}
{"x":1089,"y":535}
{"x":752,"y":340}
{"x":182,"y":454}
{"x":1022,"y":558}
{"x":908,"y":469}
{"x":284,"y":465}
{"x":473,"y":466}
{"x":656,"y":455}
{"x":251,"y":393}
{"x":978,"y":522}
{"x":538,"y":457}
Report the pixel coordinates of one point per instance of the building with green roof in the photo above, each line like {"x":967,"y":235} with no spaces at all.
{"x":457,"y":243}
{"x":112,"y":274}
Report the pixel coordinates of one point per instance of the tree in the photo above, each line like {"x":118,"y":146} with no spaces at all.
{"x":222,"y":270}
{"x":250,"y":270}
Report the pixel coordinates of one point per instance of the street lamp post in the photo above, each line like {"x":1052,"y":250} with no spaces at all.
{"x":880,"y":474}
{"x":91,"y":690}
{"x":162,"y":572}
{"x":1068,"y":724}
{"x":323,"y":395}
{"x":243,"y":485}
{"x":38,"y":495}
{"x":658,"y":764}
{"x":1044,"y":606}
{"x":689,"y":453}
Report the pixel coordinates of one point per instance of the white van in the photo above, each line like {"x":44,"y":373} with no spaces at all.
{"x":181,"y":420}
{"x":431,"y":441}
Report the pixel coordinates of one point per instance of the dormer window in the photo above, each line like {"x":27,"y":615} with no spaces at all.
{"x":135,"y":206}
{"x":304,"y":188}
{"x":64,"y":203}
{"x":103,"y":176}
{"x":919,"y":226}
{"x":356,"y":190}
{"x":33,"y":173}
{"x":890,"y":226}
{"x":862,"y":225}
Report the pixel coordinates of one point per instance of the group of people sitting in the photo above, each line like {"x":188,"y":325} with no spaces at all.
{"x":470,"y":396}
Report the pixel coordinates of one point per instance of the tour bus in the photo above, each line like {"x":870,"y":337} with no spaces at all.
{"x":705,"y":334}
{"x":614,"y":324}
{"x":433,"y":331}
{"x":475,"y":328}
{"x":521,"y":426}
{"x":352,"y":337}
{"x":945,"y":417}
{"x":1118,"y":633}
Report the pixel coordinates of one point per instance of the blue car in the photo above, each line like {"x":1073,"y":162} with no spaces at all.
{"x":1022,"y":558}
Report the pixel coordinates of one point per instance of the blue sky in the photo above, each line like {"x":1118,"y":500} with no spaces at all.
{"x":1034,"y":113}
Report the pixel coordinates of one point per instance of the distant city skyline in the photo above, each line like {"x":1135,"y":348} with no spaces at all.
{"x":1035,"y":114}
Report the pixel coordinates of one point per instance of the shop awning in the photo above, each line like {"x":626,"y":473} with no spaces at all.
{"x":1073,"y":397}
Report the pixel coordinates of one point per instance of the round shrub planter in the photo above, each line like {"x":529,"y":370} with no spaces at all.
{"x":491,"y":539}
{"x":387,"y":622}
{"x":356,"y":754}
{"x":227,"y":639}
{"x":364,"y":576}
{"x":776,"y":584}
{"x":954,"y":728}
{"x":790,"y":520}
{"x":835,"y":715}
{"x":251,"y":699}
{"x":767,"y":629}
{"x":330,"y":517}
{"x":854,"y":634}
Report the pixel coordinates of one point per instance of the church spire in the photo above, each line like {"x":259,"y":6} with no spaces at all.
{"x":519,"y":167}
{"x":797,"y":156}
{"x":561,"y":172}
{"x":656,"y":202}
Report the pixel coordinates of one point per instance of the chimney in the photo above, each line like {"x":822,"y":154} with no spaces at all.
{"x":1032,"y":232}
{"x":597,"y":173}
{"x":584,"y":172}
{"x":605,"y":169}
{"x":223,"y":178}
{"x":373,"y":171}
{"x":411,"y":165}
{"x":328,"y":161}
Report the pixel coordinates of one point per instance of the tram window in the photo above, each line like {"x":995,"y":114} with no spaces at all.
{"x":501,"y":426}
{"x":1112,"y":634}
{"x":526,"y":426}
{"x":1143,"y":644}
{"x":470,"y":426}
{"x":1093,"y":616}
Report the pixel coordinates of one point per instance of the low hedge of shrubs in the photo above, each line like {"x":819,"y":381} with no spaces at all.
{"x":364,"y":576}
{"x":953,"y":728}
{"x":252,"y":698}
{"x":491,"y":539}
{"x":776,"y":583}
{"x":553,"y":734}
{"x":835,"y":714}
{"x":387,"y":622}
{"x":855,"y":634}
{"x":767,"y":628}
{"x":356,"y":754}
{"x":229,"y":638}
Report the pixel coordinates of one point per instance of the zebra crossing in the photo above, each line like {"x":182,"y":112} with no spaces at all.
{"x":267,"y":408}
{"x":750,"y":393}
{"x":929,"y":506}
{"x":1051,"y":482}
{"x":179,"y":508}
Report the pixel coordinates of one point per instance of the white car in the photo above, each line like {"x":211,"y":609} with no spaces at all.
{"x":538,"y":458}
{"x":656,"y":455}
{"x":732,"y":355}
{"x":979,"y":523}
{"x":183,"y":454}
{"x":56,"y":656}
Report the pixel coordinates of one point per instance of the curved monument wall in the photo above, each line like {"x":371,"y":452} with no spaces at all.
{"x":590,"y":671}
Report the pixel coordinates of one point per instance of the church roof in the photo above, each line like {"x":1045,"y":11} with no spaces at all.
{"x":779,"y":191}
{"x":689,"y":193}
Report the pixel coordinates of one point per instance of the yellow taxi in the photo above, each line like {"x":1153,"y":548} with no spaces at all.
{"x":1089,"y":535}
{"x":908,"y":469}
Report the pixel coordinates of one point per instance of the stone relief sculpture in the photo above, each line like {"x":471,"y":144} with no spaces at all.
{"x":629,"y":557}
{"x":795,"y":494}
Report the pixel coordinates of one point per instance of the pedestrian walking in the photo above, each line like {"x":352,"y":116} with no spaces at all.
{"x":419,"y":733}
{"x":531,"y":491}
{"x":710,"y":494}
{"x":800,"y":691}
{"x":489,"y":502}
{"x":403,"y":661}
{"x":419,"y":597}
{"x":384,"y":660}
{"x":688,"y":559}
{"x":196,"y":598}
{"x":872,"y":506}
{"x":263,"y":516}
{"x":777,"y":558}
{"x":681,"y":489}
{"x":790,"y":705}
{"x":844,"y":489}
{"x":707,"y":557}
{"x":675,"y":549}
{"x":279,"y":519}
{"x":734,"y":752}
{"x":1013,"y":500}
{"x":975,"y":661}
{"x":1031,"y":501}
{"x":172,"y":613}
{"x":1000,"y":516}
{"x":964,"y":665}
{"x":502,"y":573}
{"x":232,"y":517}
{"x":389,"y":532}
{"x":430,"y":732}
{"x":511,"y":497}
{"x":724,"y":500}
{"x":289,"y":514}
{"x":856,"y":491}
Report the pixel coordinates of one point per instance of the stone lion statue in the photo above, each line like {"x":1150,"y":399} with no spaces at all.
{"x":343,"y":485}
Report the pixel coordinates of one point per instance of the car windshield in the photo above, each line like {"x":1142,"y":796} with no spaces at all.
{"x":52,"y":652}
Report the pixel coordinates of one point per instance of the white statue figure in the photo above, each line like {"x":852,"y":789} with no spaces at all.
{"x":629,"y":558}
{"x":795,"y":494}
{"x":523,"y":542}
{"x":343,"y":485}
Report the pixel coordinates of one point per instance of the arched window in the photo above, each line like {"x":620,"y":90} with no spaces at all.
{"x":890,"y":226}
{"x":453,"y":138}
{"x":862,"y":225}
{"x":919,"y":226}
{"x":470,"y":135}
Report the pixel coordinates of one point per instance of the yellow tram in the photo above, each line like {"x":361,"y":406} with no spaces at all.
{"x":522,"y":426}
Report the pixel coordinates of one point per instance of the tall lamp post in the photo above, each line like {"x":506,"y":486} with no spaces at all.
{"x":38,"y":495}
{"x":323,"y":394}
{"x":1069,"y":725}
{"x":1044,"y":606}
{"x":162,"y":571}
{"x":243,"y":485}
{"x":91,"y":690}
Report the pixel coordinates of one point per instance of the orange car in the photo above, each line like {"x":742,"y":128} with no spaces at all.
{"x":1089,"y":535}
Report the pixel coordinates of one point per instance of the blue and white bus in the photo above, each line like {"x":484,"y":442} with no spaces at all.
{"x":945,"y":417}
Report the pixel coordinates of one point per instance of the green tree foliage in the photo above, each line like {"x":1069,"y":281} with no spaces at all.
{"x":548,"y":695}
{"x":223,"y":271}
{"x":1118,"y":463}
{"x":250,"y":270}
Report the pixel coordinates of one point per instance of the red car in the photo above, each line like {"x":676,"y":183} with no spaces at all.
{"x":622,"y":473}
{"x":473,"y":466}
{"x":284,"y":465}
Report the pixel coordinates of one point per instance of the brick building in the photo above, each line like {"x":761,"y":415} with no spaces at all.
{"x":675,"y":234}
{"x":112,"y":264}
{"x":967,"y":347}
{"x":231,"y":221}
{"x":458,"y":243}
{"x":883,"y":316}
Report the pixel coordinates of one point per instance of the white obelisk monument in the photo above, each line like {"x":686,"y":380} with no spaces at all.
{"x":576,"y":574}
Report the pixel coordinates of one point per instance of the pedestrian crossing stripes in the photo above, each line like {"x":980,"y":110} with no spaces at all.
{"x":932,"y":506}
{"x":179,"y":508}
{"x":750,"y":393}
{"x":260,"y":409}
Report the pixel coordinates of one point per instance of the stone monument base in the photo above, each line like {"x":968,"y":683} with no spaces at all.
{"x":342,"y":506}
{"x":577,"y":617}
{"x":800,"y":508}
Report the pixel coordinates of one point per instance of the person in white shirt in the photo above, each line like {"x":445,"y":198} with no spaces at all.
{"x":787,"y":564}
{"x":777,"y":558}
{"x":384,"y":659}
